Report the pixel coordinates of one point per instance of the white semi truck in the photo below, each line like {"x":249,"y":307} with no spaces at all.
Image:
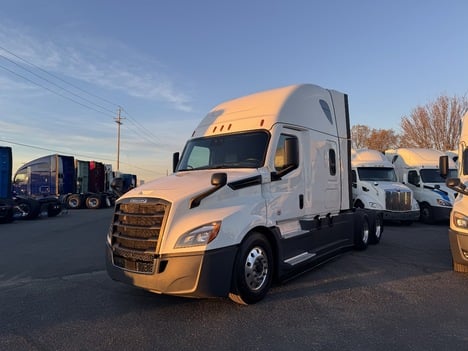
{"x":458,"y":231}
{"x":260,"y":193}
{"x":419,"y":169}
{"x":375,"y":187}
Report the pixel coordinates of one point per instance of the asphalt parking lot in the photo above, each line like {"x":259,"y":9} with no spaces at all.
{"x":401,"y":294}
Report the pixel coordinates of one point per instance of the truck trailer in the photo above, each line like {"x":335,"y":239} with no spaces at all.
{"x":77,"y":183}
{"x":260,"y":193}
{"x":419,"y":169}
{"x":376,"y":187}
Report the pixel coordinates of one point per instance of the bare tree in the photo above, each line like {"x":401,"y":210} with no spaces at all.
{"x":383,"y":139}
{"x":377,"y":139}
{"x":435,"y":125}
{"x":359,"y":136}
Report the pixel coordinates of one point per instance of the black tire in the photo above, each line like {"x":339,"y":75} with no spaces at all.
{"x":29,"y":208}
{"x":252,"y":271}
{"x":358,"y":204}
{"x":427,"y":214}
{"x":74,"y":201}
{"x":54,"y":209}
{"x":361,"y":231}
{"x":376,"y":230}
{"x":93,"y":202}
{"x":8,"y":217}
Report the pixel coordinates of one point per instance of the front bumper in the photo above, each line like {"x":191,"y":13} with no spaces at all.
{"x":459,"y":246}
{"x":204,"y":274}
{"x":401,"y":216}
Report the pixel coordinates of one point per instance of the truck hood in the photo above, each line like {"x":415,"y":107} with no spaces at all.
{"x":186,"y":184}
{"x":386,"y":186}
{"x":445,"y":192}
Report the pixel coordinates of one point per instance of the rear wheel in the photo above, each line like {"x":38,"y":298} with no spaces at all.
{"x":74,"y":201}
{"x":93,"y":202}
{"x":253,"y":270}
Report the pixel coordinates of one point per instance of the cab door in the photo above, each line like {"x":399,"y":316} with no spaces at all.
{"x":285,"y":197}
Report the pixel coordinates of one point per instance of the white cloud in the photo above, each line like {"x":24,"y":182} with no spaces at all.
{"x":89,"y":61}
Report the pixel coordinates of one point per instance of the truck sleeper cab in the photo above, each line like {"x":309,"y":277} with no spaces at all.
{"x":260,"y":192}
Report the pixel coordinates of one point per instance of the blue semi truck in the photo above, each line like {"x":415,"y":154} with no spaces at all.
{"x":49,"y":183}
{"x":13,"y":205}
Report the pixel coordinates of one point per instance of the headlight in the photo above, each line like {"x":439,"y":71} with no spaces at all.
{"x":444,"y":203}
{"x":199,"y":236}
{"x":374,"y":205}
{"x":460,"y":220}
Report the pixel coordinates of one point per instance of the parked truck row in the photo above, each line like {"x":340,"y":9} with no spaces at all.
{"x":52,"y":182}
{"x":405,"y":183}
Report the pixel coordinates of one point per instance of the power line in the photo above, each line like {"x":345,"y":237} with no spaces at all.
{"x":145,"y":133}
{"x":58,"y":78}
{"x":52,"y":91}
{"x":135,"y":122}
{"x":138,"y":129}
{"x":70,"y":154}
{"x":58,"y":86}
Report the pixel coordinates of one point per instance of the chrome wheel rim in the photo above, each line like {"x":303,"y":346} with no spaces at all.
{"x":256,"y":269}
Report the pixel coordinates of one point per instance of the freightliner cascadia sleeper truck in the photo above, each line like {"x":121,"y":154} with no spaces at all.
{"x":261,"y":192}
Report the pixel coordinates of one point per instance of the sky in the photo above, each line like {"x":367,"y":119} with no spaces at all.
{"x":67,"y":67}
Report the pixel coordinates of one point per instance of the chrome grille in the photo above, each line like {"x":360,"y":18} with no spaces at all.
{"x":136,"y":228}
{"x":398,"y":200}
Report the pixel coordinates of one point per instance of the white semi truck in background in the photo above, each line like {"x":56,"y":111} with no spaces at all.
{"x":376,"y":187}
{"x":419,"y":169}
{"x":261,"y":192}
{"x":458,"y":231}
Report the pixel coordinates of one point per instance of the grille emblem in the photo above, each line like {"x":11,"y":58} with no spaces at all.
{"x":138,"y":201}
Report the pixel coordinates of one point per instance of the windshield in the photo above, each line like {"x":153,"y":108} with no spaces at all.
{"x":377,"y":174}
{"x":243,"y":150}
{"x":433,"y":175}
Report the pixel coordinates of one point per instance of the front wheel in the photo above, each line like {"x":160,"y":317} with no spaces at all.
{"x":28,"y":208}
{"x":253,"y":270}
{"x":361,"y":231}
{"x":427,"y":215}
{"x":377,"y":229}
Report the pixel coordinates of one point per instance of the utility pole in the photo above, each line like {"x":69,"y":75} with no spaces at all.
{"x":118,"y":120}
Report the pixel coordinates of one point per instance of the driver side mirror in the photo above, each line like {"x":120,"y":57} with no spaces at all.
{"x":457,"y":185}
{"x":443,"y":166}
{"x":175,"y":161}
